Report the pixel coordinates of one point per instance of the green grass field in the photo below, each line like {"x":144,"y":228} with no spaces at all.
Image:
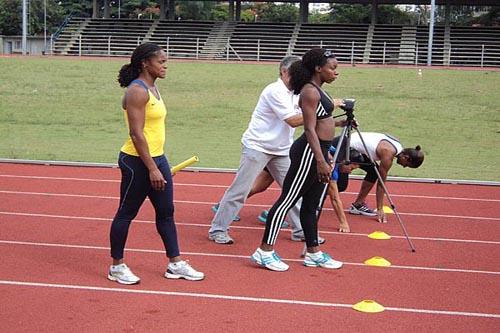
{"x":69,"y":109}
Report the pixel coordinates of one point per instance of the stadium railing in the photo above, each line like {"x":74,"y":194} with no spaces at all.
{"x":257,"y":41}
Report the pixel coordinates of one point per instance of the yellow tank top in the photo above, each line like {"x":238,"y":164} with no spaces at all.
{"x":154,"y":128}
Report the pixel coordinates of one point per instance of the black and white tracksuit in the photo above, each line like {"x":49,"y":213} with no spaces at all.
{"x":301,"y":181}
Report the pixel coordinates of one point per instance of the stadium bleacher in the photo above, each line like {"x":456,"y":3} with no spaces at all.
{"x":259,"y":41}
{"x":385,"y":44}
{"x":471,"y":46}
{"x":348,"y":41}
{"x":181,"y":38}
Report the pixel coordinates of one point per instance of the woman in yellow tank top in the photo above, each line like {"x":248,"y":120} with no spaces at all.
{"x":144,"y":167}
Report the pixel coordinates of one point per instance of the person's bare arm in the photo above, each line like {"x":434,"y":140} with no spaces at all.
{"x":135,"y":101}
{"x":295,"y":121}
{"x":386,"y":154}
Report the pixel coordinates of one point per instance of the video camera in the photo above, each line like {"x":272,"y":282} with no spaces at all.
{"x":349,"y":108}
{"x":348,"y":105}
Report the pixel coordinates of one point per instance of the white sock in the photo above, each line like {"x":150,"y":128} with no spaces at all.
{"x":315,"y":254}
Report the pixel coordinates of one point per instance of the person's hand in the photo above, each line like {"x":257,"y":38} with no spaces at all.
{"x":338,"y":102}
{"x":344,"y":227}
{"x":324,"y":171}
{"x":157,"y":180}
{"x":381,"y":217}
{"x":344,"y":122}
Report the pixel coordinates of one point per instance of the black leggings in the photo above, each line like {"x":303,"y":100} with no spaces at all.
{"x":343,"y":179}
{"x":134,"y":189}
{"x":301,"y":181}
{"x":371,"y":176}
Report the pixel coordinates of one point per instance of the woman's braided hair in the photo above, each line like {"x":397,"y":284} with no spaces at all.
{"x":301,"y":72}
{"x":129,"y":72}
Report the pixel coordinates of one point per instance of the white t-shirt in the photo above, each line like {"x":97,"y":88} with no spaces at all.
{"x":267,"y":131}
{"x":372,"y":140}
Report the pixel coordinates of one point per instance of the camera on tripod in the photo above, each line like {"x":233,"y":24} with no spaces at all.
{"x":348,"y":105}
{"x":349,"y":108}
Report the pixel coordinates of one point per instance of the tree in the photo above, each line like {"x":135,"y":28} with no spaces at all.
{"x":350,"y":14}
{"x":318,"y":17}
{"x":11,"y":17}
{"x":219,"y":12}
{"x":392,"y":15}
{"x":271,"y":12}
{"x":491,"y":18}
{"x":137,"y":9}
{"x":75,"y":8}
{"x":195,"y":10}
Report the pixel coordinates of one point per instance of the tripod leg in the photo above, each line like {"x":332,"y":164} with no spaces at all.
{"x":381,"y":182}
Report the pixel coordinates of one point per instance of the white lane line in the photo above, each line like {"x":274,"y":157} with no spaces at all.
{"x":240,"y":298}
{"x":225,"y":186}
{"x":235,"y":226}
{"x":248,"y":205}
{"x":91,"y":247}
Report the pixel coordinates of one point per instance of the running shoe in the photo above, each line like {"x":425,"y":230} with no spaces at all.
{"x":269,"y":260}
{"x":361,"y":209}
{"x":221,"y":238}
{"x":215,"y":208}
{"x":263,"y":218}
{"x":321,"y":259}
{"x":182,"y":270}
{"x":122,"y":274}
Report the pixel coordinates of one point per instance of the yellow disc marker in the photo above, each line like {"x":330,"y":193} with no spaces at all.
{"x":388,"y":210}
{"x":379,"y":235}
{"x":378,"y":261}
{"x":184,"y":164}
{"x":368,"y":306}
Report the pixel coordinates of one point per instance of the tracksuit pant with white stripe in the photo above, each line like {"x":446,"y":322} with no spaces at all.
{"x":301,"y":181}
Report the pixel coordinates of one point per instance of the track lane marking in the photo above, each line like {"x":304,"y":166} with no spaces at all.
{"x":238,"y":256}
{"x":226,"y":186}
{"x":240,"y":298}
{"x":88,"y":196}
{"x":107,"y":219}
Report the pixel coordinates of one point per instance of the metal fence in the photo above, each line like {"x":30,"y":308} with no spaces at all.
{"x":456,"y":54}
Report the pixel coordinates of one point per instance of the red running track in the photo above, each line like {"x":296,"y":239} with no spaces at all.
{"x":54,"y":224}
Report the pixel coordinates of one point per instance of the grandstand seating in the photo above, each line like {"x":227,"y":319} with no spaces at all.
{"x":438,"y":43}
{"x":182,"y":38}
{"x":68,"y":35}
{"x":471,"y":46}
{"x":261,"y":41}
{"x":346,"y":40}
{"x":386,"y":42}
{"x":352,"y":43}
{"x":111,"y":37}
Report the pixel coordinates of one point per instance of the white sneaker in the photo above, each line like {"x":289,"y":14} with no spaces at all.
{"x":182,"y":270}
{"x":122,"y":274}
{"x":221,"y":238}
{"x":269,"y":259}
{"x":321,"y":259}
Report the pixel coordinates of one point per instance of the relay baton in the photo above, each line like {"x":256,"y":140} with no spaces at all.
{"x":184,"y":164}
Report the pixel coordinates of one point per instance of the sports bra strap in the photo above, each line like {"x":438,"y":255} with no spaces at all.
{"x":141,"y":83}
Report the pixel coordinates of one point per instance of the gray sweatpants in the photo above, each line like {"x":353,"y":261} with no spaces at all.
{"x":251,"y":164}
